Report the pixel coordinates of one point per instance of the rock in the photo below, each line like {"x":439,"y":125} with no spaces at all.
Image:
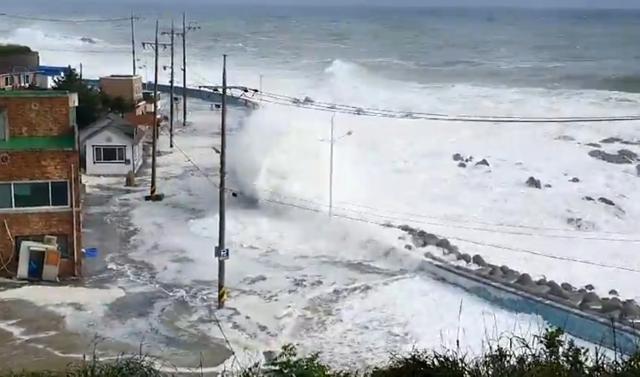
{"x":468,"y":159}
{"x":505,"y":269}
{"x":591,"y":301}
{"x":408,"y":247}
{"x":631,"y":156}
{"x":462,"y":165}
{"x":458,"y":157}
{"x":611,"y":140}
{"x":428,"y":255}
{"x":574,"y":180}
{"x":613,"y":292}
{"x":534,"y":183}
{"x":591,"y":297}
{"x":595,"y":145}
{"x":483,"y":162}
{"x":466,"y":257}
{"x":589,"y":287}
{"x":581,"y":224}
{"x":542,"y":281}
{"x":565,"y":138}
{"x":589,"y":199}
{"x":612,"y":158}
{"x":630,"y":310}
{"x":479,"y":261}
{"x":496,"y":273}
{"x":405,"y":228}
{"x":556,"y":290}
{"x":606,"y":201}
{"x":567,"y":287}
{"x":548,"y":185}
{"x":511,"y":276}
{"x":638,"y":170}
{"x":610,"y":305}
{"x":444,"y":243}
{"x":525,"y":279}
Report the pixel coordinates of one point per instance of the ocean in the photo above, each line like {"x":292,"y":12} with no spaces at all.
{"x":372,"y":297}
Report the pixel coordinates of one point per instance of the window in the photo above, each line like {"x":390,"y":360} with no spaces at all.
{"x":6,"y":196}
{"x":27,"y":79}
{"x":7,"y":81}
{"x":4,"y":125}
{"x":62,"y":240}
{"x":115,"y":154}
{"x":31,"y":195}
{"x":34,"y":194}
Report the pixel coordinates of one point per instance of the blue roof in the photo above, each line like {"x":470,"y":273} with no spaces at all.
{"x":52,"y":71}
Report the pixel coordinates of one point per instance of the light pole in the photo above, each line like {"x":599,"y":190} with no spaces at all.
{"x":332,"y":142}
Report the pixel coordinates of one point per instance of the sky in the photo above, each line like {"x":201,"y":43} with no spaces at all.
{"x":624,"y":4}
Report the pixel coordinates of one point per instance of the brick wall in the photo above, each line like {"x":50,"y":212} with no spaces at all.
{"x":37,"y":116}
{"x":41,"y":165}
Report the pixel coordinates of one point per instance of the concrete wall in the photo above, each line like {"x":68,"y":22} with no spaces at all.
{"x":108,"y":138}
{"x":38,"y":116}
{"x":45,"y":166}
{"x":127,"y":87}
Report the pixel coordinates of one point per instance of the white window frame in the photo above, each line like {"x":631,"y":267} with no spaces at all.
{"x":101,"y":147}
{"x":19,"y":209}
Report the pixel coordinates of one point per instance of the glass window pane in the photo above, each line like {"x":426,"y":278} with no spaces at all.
{"x":5,"y":195}
{"x":120,"y":154}
{"x":97,"y":152}
{"x":59,"y":194}
{"x":109,"y":154}
{"x":31,"y":194}
{"x":3,"y":125}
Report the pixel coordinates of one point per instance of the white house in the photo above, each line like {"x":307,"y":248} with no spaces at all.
{"x":112,"y":146}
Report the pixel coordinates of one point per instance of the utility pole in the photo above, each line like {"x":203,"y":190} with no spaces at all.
{"x":185,"y":30}
{"x":222,"y":253}
{"x":133,"y":42}
{"x":331,"y":167}
{"x":172,"y":33}
{"x":154,"y":196}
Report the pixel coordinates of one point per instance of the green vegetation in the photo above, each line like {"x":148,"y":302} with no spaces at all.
{"x":92,"y":104}
{"x":550,"y":355}
{"x":10,"y":49}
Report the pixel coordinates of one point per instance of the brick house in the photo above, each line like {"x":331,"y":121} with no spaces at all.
{"x":39,"y":176}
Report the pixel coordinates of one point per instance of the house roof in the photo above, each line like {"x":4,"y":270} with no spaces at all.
{"x":112,"y":122}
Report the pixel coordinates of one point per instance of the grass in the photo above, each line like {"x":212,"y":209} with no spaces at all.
{"x":550,"y":355}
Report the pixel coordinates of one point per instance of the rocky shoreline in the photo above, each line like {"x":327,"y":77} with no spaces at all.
{"x":626,"y":312}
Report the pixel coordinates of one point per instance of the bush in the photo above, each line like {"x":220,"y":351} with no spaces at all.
{"x":550,"y":355}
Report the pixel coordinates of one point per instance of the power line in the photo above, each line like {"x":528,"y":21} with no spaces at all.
{"x":386,"y":224}
{"x":96,"y":20}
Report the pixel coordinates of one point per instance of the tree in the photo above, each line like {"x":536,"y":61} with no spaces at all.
{"x":89,"y":105}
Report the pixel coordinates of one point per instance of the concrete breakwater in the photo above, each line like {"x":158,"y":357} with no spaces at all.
{"x":608,"y":321}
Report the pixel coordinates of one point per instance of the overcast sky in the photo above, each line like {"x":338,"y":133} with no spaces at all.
{"x":625,"y":4}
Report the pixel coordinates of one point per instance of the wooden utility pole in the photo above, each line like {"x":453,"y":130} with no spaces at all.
{"x":184,"y":69}
{"x":172,"y":33}
{"x":222,"y":253}
{"x":153,"y":194}
{"x":133,"y":43}
{"x":185,"y":30}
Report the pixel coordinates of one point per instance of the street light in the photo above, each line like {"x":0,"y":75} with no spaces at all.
{"x":332,"y":143}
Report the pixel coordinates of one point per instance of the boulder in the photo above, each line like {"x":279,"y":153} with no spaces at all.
{"x":478,"y":260}
{"x":610,"y":305}
{"x":638,"y":170}
{"x":466,"y":257}
{"x":525,"y":280}
{"x":468,"y":159}
{"x":612,"y":158}
{"x":574,"y":180}
{"x":606,"y":201}
{"x":632,"y":156}
{"x":444,"y":243}
{"x":458,"y":157}
{"x":613,"y":292}
{"x":548,"y":185}
{"x":591,"y":297}
{"x":611,"y":140}
{"x":462,"y":165}
{"x":405,"y":228}
{"x":589,"y":287}
{"x":511,"y":276}
{"x":567,"y":287}
{"x":428,"y":255}
{"x":483,"y":162}
{"x":589,"y":199}
{"x":557,"y":291}
{"x":630,"y":310}
{"x":595,"y":145}
{"x":534,"y":183}
{"x":496,"y":273}
{"x":408,"y":247}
